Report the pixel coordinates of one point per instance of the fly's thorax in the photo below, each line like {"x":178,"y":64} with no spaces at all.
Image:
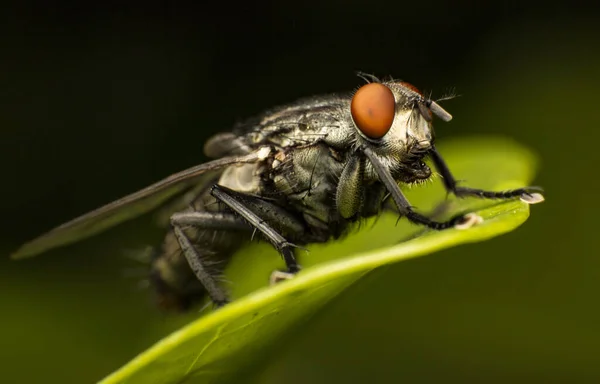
{"x":305,"y":172}
{"x":308,"y":177}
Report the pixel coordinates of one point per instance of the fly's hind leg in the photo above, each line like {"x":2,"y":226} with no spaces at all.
{"x":270,"y":220}
{"x":204,"y":220}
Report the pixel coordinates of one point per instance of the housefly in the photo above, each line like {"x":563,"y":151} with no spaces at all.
{"x":298,"y":174}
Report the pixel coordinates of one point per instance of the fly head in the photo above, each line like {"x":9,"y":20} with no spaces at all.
{"x":394,"y":120}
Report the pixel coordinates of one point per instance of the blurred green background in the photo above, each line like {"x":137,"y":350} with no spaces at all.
{"x":99,"y":102}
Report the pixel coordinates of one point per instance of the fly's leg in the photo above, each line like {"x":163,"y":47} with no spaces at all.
{"x":204,"y":220}
{"x":529,"y":195}
{"x":257,"y":212}
{"x":404,"y":207}
{"x":210,"y":220}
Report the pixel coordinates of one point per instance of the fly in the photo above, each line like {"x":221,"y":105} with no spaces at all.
{"x":298,"y":174}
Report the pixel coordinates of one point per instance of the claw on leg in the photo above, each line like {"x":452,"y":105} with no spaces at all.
{"x":469,"y":220}
{"x":532,"y":198}
{"x":278,"y":276}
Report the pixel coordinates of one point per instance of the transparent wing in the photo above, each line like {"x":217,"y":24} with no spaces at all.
{"x":130,"y":206}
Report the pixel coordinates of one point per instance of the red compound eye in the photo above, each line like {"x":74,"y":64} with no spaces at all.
{"x":373,"y":107}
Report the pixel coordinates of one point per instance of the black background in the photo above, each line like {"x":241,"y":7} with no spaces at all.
{"x":97,"y":101}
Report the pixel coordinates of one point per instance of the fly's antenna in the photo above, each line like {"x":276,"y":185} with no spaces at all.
{"x":437,"y":110}
{"x":449,"y":95}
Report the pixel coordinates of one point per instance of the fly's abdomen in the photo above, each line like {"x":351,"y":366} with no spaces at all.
{"x":175,"y":284}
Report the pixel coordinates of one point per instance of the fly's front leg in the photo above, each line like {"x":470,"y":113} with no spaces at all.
{"x":404,"y":207}
{"x":529,"y":195}
{"x":204,"y":220}
{"x":261,"y":215}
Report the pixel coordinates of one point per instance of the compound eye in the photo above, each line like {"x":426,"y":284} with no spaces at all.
{"x":373,"y":107}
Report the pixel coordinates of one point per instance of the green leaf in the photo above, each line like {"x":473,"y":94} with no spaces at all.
{"x":225,"y":342}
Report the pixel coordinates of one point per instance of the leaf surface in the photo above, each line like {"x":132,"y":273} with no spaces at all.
{"x":223,"y":343}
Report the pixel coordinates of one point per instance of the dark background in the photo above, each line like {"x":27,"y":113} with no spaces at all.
{"x":99,"y":102}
